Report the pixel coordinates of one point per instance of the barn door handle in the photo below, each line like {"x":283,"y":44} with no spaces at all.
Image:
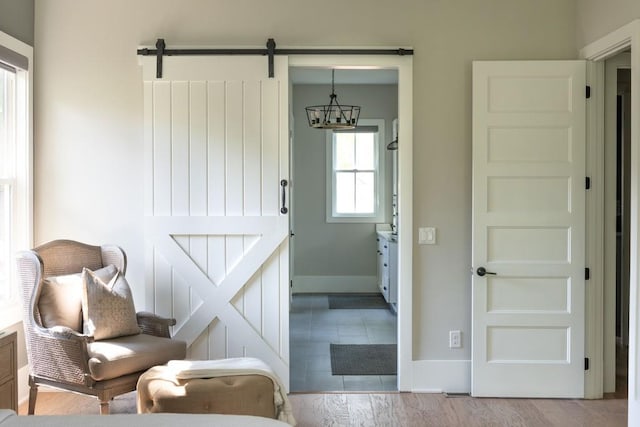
{"x":284,"y":209}
{"x":482,"y":271}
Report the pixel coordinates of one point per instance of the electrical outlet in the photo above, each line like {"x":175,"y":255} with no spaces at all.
{"x":455,"y":339}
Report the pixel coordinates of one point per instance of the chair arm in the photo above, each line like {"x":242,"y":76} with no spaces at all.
{"x":152,"y":324}
{"x":60,"y":353}
{"x":63,"y":332}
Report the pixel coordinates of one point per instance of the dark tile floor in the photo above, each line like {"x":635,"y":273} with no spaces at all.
{"x":313,"y":326}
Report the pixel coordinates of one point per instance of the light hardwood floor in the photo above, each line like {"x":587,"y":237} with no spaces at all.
{"x":399,"y":409}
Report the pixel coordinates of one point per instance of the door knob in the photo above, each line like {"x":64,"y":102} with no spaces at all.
{"x":482,"y":271}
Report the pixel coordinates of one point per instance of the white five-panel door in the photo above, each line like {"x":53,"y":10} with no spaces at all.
{"x":216,"y":150}
{"x":528,"y":228}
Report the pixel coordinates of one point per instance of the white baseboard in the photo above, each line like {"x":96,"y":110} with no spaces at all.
{"x":441,"y":376}
{"x":334,"y":284}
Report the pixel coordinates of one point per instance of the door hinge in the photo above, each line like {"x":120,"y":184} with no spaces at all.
{"x":291,"y":284}
{"x":588,"y":92}
{"x":586,"y":363}
{"x":587,"y":274}
{"x":587,"y":183}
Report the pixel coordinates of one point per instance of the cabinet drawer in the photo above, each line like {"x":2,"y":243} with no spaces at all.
{"x":7,"y":361}
{"x":8,"y":381}
{"x":7,"y":395}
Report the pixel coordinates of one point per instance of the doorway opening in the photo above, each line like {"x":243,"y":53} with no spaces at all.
{"x":623,"y":225}
{"x":339,"y":308}
{"x":617,"y":220}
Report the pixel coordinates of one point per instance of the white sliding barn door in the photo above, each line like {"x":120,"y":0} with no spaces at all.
{"x":528,"y":229}
{"x":216,"y":149}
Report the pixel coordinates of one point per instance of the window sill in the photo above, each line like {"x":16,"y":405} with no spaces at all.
{"x":355,"y":219}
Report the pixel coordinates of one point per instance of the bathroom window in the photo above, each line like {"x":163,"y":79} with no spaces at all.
{"x":355,"y":173}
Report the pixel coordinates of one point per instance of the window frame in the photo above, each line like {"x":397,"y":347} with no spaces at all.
{"x":380,"y":183}
{"x":21,"y":182}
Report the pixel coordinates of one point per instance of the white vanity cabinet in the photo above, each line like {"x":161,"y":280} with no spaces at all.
{"x":387,"y":270}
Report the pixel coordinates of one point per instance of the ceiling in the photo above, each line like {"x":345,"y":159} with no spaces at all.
{"x":300,"y":75}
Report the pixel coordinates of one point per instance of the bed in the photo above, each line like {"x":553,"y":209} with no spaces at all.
{"x":8,"y":418}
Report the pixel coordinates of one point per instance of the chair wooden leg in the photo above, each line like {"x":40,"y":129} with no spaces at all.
{"x":104,"y":406}
{"x":33,"y":395}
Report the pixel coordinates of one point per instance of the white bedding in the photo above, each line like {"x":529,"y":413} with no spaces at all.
{"x":8,"y":418}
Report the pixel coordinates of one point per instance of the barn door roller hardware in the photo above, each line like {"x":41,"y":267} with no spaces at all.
{"x":270,"y":51}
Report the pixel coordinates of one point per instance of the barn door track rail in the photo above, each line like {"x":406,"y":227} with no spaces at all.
{"x":161,"y":50}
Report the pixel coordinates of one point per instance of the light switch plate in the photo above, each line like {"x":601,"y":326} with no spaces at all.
{"x":426,"y":236}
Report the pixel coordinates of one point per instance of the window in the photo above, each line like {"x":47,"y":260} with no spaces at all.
{"x":7,"y":174}
{"x":355,"y":173}
{"x":15,"y":164}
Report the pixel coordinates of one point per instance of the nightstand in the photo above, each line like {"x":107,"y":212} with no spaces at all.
{"x":8,"y":371}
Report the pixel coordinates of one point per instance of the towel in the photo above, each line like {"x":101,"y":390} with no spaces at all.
{"x":188,"y":369}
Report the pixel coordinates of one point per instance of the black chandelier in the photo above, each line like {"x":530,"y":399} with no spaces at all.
{"x":333,"y":115}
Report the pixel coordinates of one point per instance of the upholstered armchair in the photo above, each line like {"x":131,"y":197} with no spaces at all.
{"x":60,"y":351}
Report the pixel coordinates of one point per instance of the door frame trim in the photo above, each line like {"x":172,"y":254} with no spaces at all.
{"x":620,"y":61}
{"x":594,"y":209}
{"x":404,"y":66}
{"x":613,"y":43}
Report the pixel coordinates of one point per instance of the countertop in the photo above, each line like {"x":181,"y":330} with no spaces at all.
{"x":388,"y":235}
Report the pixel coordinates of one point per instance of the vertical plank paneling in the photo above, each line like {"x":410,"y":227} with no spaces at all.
{"x":234,"y":148}
{"x":162,"y":189}
{"x":283,"y":144}
{"x":180,"y":149}
{"x":163,"y":278}
{"x":253,"y":301}
{"x":252,"y":306}
{"x":235,"y":347}
{"x":199,"y":349}
{"x":198,"y":189}
{"x":270,"y":153}
{"x":148,"y":148}
{"x":252,"y":149}
{"x":283,"y":132}
{"x":234,"y":245}
{"x":148,"y":189}
{"x":235,"y":170}
{"x":181,"y":300}
{"x":162,"y":148}
{"x":216,"y":135}
{"x":271,"y":301}
{"x":217,"y":340}
{"x":216,"y":161}
{"x":284,"y":295}
{"x":180,"y":187}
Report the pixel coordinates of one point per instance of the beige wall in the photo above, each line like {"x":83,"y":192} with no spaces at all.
{"x":89,"y":136}
{"x":597,"y":18}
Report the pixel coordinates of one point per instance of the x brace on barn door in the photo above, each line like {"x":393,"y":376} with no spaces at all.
{"x":270,"y":51}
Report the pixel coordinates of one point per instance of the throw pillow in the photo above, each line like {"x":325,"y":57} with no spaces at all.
{"x":107,"y":307}
{"x":60,"y":301}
